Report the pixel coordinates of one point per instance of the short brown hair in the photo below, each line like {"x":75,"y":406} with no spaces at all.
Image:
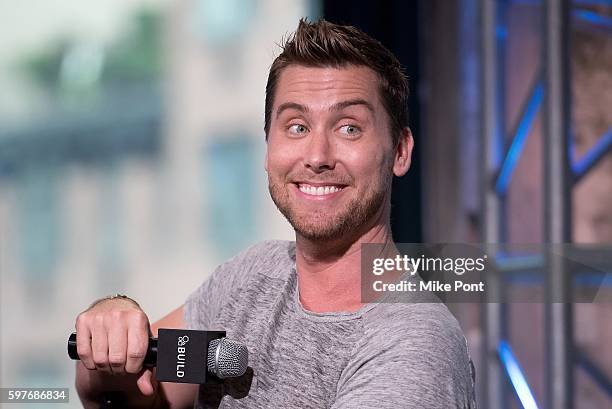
{"x":325,"y":44}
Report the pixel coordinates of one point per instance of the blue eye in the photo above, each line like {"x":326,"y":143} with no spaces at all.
{"x":298,"y":129}
{"x":350,"y":130}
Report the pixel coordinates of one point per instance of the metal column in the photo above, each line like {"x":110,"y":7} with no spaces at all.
{"x":557,"y":203}
{"x":492,"y":146}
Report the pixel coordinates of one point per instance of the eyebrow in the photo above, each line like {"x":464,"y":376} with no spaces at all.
{"x":290,"y":105}
{"x":336,"y":107}
{"x":345,"y":104}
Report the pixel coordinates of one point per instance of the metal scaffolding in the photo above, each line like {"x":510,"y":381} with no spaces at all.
{"x":550,"y":94}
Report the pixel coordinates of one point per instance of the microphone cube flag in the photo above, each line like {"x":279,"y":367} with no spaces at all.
{"x":182,"y":355}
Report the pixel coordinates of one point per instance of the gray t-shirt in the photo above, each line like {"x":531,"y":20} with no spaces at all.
{"x":386,"y":355}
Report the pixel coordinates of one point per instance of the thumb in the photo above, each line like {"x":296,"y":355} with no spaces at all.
{"x":146,"y":384}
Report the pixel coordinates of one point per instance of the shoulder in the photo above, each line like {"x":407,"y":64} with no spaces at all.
{"x":425,"y":336}
{"x":416,"y":353}
{"x":270,"y":252}
{"x":232,"y":276}
{"x":400,"y":321}
{"x":268,"y":257}
{"x":417,"y":328}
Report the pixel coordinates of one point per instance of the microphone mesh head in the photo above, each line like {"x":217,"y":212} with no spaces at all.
{"x":227,"y":358}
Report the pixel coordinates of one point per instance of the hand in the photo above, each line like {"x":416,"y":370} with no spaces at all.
{"x":112,"y":337}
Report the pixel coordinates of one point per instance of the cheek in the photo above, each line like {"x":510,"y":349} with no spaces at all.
{"x":366,"y":164}
{"x":279,"y":160}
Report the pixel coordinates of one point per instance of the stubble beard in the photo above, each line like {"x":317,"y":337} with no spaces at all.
{"x":320,"y":226}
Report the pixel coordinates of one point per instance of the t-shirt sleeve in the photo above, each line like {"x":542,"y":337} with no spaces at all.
{"x":205,"y":303}
{"x":415,"y":360}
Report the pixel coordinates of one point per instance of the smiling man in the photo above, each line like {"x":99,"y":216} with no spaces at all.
{"x":337,"y":131}
{"x":330,"y":162}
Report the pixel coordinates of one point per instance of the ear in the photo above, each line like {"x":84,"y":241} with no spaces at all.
{"x":403,"y":153}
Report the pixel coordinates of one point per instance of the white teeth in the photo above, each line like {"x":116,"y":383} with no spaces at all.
{"x":318,"y":191}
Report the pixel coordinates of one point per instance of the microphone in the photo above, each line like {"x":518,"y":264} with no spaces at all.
{"x":189,"y":356}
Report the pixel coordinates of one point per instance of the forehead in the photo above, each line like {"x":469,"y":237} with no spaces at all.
{"x":321,"y":87}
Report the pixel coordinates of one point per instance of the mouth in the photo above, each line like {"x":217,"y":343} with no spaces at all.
{"x":319,"y":189}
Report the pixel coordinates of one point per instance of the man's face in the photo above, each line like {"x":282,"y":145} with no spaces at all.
{"x":330,"y":155}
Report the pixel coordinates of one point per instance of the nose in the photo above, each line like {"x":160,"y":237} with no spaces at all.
{"x":319,"y":155}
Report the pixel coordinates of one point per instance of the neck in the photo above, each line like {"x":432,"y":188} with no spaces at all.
{"x":329,"y":273}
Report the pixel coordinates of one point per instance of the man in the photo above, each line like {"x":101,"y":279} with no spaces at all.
{"x":337,"y":131}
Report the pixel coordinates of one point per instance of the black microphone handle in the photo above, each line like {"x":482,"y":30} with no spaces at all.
{"x":149,"y":361}
{"x":113,"y":400}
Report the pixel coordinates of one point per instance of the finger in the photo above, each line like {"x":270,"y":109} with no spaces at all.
{"x":84,"y":343}
{"x":137,"y":344}
{"x":145,"y":383}
{"x":117,"y":347}
{"x":99,"y":344}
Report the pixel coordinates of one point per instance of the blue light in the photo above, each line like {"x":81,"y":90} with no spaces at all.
{"x":515,"y":373}
{"x":603,"y":144}
{"x":599,"y":280}
{"x":571,"y":146}
{"x":593,"y":2}
{"x":593,"y":18}
{"x":518,"y":143}
{"x":501,"y":32}
{"x":523,"y":260}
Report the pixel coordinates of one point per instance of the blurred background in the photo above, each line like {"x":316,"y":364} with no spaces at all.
{"x":132,"y":146}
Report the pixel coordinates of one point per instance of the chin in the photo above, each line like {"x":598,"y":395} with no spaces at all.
{"x":319,"y":230}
